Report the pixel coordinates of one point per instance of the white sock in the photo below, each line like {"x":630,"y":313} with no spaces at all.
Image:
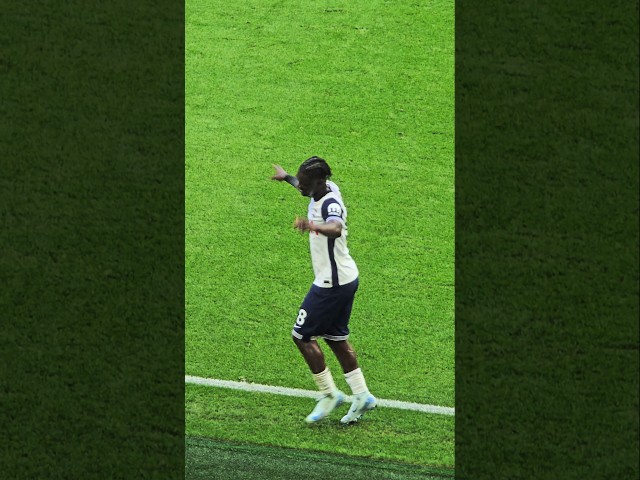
{"x":325,"y":383}
{"x":355,"y":379}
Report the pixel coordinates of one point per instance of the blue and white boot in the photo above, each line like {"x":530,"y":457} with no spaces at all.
{"x":362,"y":403}
{"x":325,"y":406}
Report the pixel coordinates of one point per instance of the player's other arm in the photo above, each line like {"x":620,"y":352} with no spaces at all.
{"x":282,"y":175}
{"x":331,"y":229}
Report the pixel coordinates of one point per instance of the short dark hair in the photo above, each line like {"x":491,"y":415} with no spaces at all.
{"x":316,"y":167}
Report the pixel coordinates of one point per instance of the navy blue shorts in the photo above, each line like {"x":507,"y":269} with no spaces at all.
{"x":325,"y":312}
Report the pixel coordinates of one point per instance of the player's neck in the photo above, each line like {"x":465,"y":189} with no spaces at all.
{"x":321,"y":192}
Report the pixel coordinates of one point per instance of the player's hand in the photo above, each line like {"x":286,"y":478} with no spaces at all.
{"x":280,"y":173}
{"x":302,"y":224}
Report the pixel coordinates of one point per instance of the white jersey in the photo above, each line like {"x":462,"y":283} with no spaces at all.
{"x":332,"y":264}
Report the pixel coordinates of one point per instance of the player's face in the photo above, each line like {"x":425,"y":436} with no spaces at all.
{"x":306,"y":185}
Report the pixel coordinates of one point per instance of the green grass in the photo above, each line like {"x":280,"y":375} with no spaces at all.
{"x":368,"y":86}
{"x":259,"y":418}
{"x":252,"y":462}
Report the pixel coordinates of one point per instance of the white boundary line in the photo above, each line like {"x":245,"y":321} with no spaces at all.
{"x":297,"y":392}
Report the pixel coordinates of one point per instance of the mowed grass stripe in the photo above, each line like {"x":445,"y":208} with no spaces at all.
{"x":297,"y":392}
{"x":207,"y":458}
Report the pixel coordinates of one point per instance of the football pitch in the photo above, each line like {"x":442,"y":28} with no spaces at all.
{"x":369,"y":86}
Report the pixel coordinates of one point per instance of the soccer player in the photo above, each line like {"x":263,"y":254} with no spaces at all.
{"x":326,"y":308}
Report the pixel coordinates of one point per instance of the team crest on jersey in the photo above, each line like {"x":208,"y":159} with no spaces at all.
{"x":334,"y":209}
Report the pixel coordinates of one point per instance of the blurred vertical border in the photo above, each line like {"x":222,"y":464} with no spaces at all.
{"x":546,"y":240}
{"x":92,"y":239}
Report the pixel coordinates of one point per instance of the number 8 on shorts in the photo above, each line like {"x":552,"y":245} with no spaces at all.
{"x":301,"y":317}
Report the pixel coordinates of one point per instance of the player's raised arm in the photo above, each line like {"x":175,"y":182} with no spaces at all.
{"x":282,"y":175}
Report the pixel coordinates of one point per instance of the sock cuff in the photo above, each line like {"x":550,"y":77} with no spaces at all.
{"x":324,"y":381}
{"x":352,"y":373}
{"x":356,"y":381}
{"x":322,"y":373}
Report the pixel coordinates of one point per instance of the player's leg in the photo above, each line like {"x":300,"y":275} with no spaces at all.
{"x":345,"y":354}
{"x":309,"y":321}
{"x":312,"y":354}
{"x":331,"y":396}
{"x":363,"y":400}
{"x":336,"y":338}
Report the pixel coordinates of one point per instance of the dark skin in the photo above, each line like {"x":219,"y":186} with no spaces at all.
{"x":315,"y":358}
{"x":344,"y":352}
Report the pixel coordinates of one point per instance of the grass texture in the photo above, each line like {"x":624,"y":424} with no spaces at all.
{"x":265,"y":463}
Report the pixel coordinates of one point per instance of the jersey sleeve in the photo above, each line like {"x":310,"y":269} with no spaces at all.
{"x":332,"y":211}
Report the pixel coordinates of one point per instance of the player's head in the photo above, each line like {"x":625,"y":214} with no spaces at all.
{"x":312,"y":175}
